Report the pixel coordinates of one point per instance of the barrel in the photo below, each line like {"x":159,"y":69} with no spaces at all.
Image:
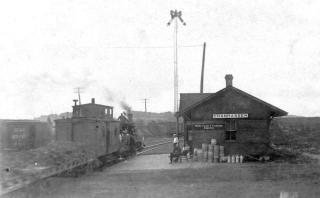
{"x":195,"y":154}
{"x":204,"y":147}
{"x":210,"y":153}
{"x":216,"y":153}
{"x":200,"y":155}
{"x":213,"y":141}
{"x":221,"y":151}
{"x":205,"y":151}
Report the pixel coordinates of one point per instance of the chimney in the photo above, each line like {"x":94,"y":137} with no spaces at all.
{"x":92,"y":100}
{"x":228,"y":78}
{"x":75,"y":102}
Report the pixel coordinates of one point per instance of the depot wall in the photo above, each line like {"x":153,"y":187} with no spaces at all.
{"x":230,"y":110}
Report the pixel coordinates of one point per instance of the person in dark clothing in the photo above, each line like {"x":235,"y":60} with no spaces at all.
{"x":175,"y":155}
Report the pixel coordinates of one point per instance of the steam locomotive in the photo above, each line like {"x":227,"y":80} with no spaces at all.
{"x":93,"y":125}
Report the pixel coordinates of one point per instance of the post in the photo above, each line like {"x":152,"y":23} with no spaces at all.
{"x":202,"y":70}
{"x":78,"y":91}
{"x":175,"y":15}
{"x":176,"y":80}
{"x":145,"y":105}
{"x":177,"y":126}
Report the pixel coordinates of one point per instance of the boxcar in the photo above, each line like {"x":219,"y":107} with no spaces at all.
{"x":24,"y":134}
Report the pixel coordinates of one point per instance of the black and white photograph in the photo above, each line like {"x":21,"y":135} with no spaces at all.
{"x":160,"y":99}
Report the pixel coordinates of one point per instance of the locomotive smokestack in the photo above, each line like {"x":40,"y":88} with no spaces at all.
{"x":127,"y":108}
{"x":92,"y":100}
{"x":130,"y":116}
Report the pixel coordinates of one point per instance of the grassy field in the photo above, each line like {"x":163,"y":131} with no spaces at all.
{"x":297,"y":133}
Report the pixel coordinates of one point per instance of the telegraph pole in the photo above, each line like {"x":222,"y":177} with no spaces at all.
{"x":175,"y":15}
{"x":202,"y":70}
{"x":145,"y":104}
{"x":78,"y":90}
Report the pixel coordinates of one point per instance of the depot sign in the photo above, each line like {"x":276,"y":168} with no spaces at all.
{"x":207,"y":126}
{"x":235,"y":115}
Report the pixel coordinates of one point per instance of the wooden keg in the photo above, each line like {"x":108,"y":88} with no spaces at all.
{"x":205,"y":151}
{"x":195,"y":154}
{"x":200,"y":155}
{"x":221,"y":151}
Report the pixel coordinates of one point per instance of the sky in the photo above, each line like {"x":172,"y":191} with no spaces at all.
{"x":123,"y":51}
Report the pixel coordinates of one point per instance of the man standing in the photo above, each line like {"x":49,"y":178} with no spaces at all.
{"x":175,"y":141}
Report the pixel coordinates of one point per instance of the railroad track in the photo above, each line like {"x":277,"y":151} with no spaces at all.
{"x":16,"y":183}
{"x":154,"y":146}
{"x":41,"y":173}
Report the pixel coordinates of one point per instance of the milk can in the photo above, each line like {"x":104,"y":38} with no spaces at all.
{"x":237,"y":158}
{"x":241,"y":158}
{"x":229,"y":159}
{"x":233,"y":159}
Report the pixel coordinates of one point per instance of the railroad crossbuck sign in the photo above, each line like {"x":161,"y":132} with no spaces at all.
{"x":235,"y":115}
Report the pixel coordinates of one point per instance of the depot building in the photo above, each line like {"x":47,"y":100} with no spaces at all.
{"x":237,"y":120}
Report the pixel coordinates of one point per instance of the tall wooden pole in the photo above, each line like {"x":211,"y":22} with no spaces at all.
{"x":78,"y":90}
{"x":176,"y":77}
{"x":145,"y":104}
{"x":175,"y":16}
{"x":202,"y":70}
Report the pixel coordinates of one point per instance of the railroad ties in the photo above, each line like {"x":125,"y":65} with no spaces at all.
{"x":154,"y":146}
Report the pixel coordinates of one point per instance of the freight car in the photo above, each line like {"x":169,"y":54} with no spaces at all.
{"x":19,"y":135}
{"x":93,"y":125}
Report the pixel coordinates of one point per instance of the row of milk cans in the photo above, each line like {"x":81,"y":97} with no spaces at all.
{"x":214,"y":153}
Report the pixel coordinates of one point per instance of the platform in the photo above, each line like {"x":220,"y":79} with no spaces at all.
{"x":155,"y":162}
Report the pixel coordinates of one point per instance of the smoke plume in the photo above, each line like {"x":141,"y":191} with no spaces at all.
{"x":125,"y":106}
{"x":109,"y":95}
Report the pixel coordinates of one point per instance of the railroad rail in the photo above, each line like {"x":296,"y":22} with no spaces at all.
{"x":154,"y":146}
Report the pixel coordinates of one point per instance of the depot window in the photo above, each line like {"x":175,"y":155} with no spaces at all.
{"x":230,"y":130}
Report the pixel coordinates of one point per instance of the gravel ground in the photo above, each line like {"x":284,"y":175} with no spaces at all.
{"x":152,"y":176}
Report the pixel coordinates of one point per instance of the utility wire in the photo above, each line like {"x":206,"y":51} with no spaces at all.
{"x":146,"y":47}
